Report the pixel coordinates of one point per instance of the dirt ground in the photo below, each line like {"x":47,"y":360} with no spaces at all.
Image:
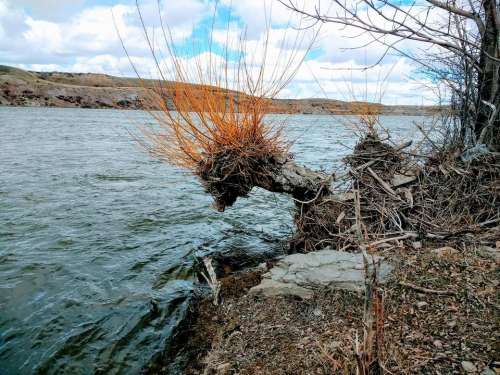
{"x":425,"y":332}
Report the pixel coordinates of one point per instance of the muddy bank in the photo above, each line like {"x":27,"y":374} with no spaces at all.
{"x":441,"y":309}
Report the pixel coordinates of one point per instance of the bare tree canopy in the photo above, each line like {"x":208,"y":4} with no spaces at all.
{"x":460,"y":40}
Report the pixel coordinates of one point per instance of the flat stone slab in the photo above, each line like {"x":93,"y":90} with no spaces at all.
{"x":300,"y":274}
{"x":272,"y":288}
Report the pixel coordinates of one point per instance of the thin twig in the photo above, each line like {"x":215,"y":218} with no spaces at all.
{"x":426,"y":290}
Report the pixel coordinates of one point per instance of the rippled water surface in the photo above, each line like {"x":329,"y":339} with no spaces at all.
{"x":92,"y":230}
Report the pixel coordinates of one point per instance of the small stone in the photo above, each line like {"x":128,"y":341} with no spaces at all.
{"x":416,"y":245}
{"x":317,"y":312}
{"x":488,"y":371}
{"x":262,"y":266}
{"x":223,"y":368}
{"x":445,"y":251}
{"x":451,"y":323}
{"x":468,"y":366}
{"x":421,"y":304}
{"x":438,"y":344}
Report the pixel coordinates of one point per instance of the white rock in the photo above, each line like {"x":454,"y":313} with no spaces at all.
{"x":490,"y":252}
{"x":468,"y":366}
{"x":438,"y":344}
{"x":416,"y":245}
{"x":445,"y":251}
{"x":271,"y":288}
{"x":297,"y":273}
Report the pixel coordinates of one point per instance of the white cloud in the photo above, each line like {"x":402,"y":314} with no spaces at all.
{"x":47,"y":9}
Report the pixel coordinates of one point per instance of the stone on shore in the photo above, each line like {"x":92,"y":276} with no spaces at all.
{"x":300,"y":274}
{"x":468,"y":366}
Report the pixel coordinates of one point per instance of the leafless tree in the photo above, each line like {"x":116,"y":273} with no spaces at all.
{"x":461,"y":40}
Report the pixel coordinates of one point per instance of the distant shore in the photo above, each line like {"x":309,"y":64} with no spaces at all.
{"x":89,"y":90}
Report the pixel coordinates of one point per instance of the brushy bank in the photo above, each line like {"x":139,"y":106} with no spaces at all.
{"x":434,"y":218}
{"x":440,"y":309}
{"x":391,"y":191}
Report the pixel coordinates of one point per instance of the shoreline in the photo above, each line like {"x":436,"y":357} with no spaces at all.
{"x":419,"y":114}
{"x":424,"y":331}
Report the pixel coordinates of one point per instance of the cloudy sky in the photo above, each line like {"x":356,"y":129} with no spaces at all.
{"x":81,"y":36}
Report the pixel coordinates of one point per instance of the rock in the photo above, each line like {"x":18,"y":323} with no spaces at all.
{"x":401,"y":179}
{"x":223,"y":369}
{"x":421,"y":304}
{"x":262,"y":266}
{"x":271,"y":288}
{"x":299,"y":274}
{"x":490,"y":252}
{"x":468,"y":366}
{"x":416,"y":245}
{"x":445,"y":251}
{"x":438,"y":344}
{"x":488,"y":371}
{"x":317,"y":312}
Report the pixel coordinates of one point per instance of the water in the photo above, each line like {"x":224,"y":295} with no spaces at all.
{"x":92,"y":230}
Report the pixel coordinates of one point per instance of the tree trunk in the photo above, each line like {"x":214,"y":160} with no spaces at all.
{"x":228,"y":177}
{"x":300,"y":182}
{"x":487,"y":126}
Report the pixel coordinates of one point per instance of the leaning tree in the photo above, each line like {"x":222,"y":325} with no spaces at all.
{"x":211,"y":120}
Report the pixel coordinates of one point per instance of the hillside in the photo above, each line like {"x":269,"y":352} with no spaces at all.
{"x":90,"y":90}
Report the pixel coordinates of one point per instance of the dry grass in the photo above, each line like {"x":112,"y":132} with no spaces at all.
{"x":425,"y":333}
{"x":207,"y":121}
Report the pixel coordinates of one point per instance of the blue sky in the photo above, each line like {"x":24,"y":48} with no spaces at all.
{"x":79,"y":36}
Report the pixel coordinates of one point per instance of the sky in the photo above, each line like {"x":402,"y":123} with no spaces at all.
{"x":84,"y":36}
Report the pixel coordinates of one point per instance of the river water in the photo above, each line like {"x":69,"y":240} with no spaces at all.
{"x":92,"y":230}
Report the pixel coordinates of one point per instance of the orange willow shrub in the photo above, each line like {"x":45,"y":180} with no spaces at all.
{"x":210,"y":105}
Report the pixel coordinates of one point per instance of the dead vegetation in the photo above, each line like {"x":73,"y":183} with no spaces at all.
{"x":421,"y":331}
{"x":392,"y":201}
{"x":388,"y":194}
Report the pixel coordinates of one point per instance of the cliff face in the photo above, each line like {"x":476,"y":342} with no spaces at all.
{"x":88,"y":90}
{"x":32,"y":89}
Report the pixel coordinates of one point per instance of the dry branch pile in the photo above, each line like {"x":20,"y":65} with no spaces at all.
{"x":390,"y":196}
